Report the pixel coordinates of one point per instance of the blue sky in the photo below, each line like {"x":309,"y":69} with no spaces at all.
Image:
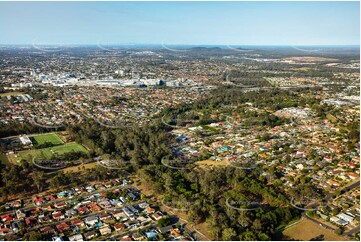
{"x":232,"y":23}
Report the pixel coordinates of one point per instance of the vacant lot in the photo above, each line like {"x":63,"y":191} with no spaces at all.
{"x":48,"y":152}
{"x":43,"y":138}
{"x":307,"y":230}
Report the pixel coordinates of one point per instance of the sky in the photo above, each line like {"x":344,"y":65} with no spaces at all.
{"x":188,"y":23}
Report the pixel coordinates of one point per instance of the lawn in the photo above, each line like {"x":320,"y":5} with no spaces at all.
{"x":43,"y":138}
{"x":48,"y":152}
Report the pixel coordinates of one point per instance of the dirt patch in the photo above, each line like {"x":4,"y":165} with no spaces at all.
{"x":12,"y":159}
{"x":307,"y":230}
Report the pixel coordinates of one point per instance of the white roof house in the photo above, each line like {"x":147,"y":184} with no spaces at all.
{"x":345,"y":217}
{"x":91,"y":220}
{"x":76,"y":237}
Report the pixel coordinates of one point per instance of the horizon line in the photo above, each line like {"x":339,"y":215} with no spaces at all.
{"x":196,"y":45}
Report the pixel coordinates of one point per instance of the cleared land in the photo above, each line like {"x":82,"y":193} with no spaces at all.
{"x":307,"y":230}
{"x":43,"y":138}
{"x":48,"y":152}
{"x":10,"y":94}
{"x":310,"y":59}
{"x":210,"y":163}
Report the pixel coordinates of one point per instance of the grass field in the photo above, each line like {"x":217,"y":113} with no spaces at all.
{"x":4,"y":159}
{"x":48,"y":152}
{"x":306,"y":230}
{"x":42,"y":138}
{"x":75,"y":168}
{"x":210,"y":163}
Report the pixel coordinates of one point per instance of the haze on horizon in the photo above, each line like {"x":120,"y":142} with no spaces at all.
{"x":181,"y":23}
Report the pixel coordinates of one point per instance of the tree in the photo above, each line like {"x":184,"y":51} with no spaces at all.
{"x":229,"y":234}
{"x":34,"y":236}
{"x":257,"y":224}
{"x":243,"y":219}
{"x":311,"y":213}
{"x":338,"y":231}
{"x":248,"y":236}
{"x":39,"y":179}
{"x":215,"y":231}
{"x":160,"y":236}
{"x":163,"y":222}
{"x":277,"y":183}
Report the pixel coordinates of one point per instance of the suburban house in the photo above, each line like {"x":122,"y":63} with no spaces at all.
{"x":119,"y":215}
{"x":83,"y":210}
{"x":70,"y":213}
{"x":47,"y":230}
{"x":78,"y":223}
{"x":76,"y":237}
{"x":38,"y":201}
{"x":20,"y":214}
{"x":119,"y":227}
{"x":104,"y":230}
{"x":104,"y":216}
{"x":150,"y":210}
{"x":90,"y":235}
{"x":91,"y":221}
{"x":345,"y":217}
{"x":156,"y":216}
{"x":60,"y":205}
{"x":165,"y":229}
{"x":58,"y":215}
{"x":137,"y":236}
{"x":62,"y":227}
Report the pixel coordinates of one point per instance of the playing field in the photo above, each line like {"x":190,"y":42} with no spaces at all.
{"x":307,"y":230}
{"x":48,"y":152}
{"x":42,"y":138}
